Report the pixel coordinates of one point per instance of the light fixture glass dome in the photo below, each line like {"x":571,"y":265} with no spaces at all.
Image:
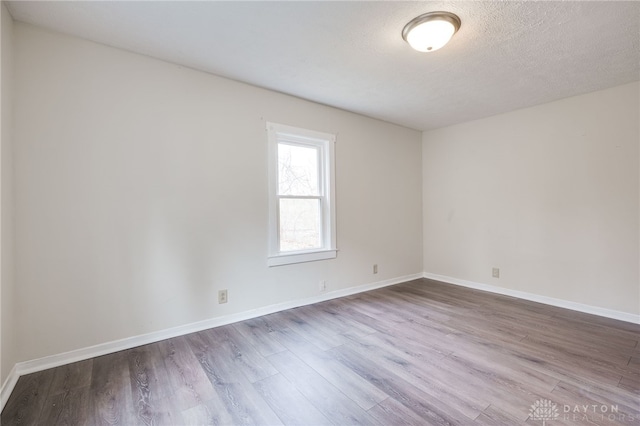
{"x":431,"y":31}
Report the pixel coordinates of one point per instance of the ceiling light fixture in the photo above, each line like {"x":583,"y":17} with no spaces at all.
{"x":431,"y":31}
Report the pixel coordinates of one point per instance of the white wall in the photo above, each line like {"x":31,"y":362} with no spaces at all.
{"x":7,"y":345}
{"x":548,"y":194}
{"x":141,"y":190}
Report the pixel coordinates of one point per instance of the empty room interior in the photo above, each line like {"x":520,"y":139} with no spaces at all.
{"x":319,"y":212}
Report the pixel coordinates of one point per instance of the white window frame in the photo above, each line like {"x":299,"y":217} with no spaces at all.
{"x":325,"y":143}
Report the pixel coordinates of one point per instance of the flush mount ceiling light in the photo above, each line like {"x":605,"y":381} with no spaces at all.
{"x":431,"y":31}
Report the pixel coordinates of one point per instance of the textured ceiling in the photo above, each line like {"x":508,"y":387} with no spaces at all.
{"x":507,"y":55}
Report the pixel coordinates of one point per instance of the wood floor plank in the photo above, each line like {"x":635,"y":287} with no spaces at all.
{"x":492,"y":416}
{"x":150,"y":386}
{"x":346,"y":380}
{"x":395,"y":344}
{"x":203,"y":414}
{"x":427,"y":407}
{"x":110,"y":390}
{"x":311,"y":332}
{"x":436,"y":310}
{"x":588,"y":338}
{"x":607,"y":356}
{"x":294,"y":342}
{"x":562,"y":362}
{"x":245,"y":356}
{"x":450,"y":391}
{"x":70,"y":407}
{"x":377,"y":324}
{"x":72,"y":376}
{"x":439,"y":337}
{"x":316,"y":320}
{"x":338,"y":309}
{"x":414,"y":306}
{"x":500,"y":389}
{"x":27,"y":399}
{"x":487,"y":329}
{"x":508,"y":366}
{"x":367,"y":306}
{"x":604,"y":326}
{"x":323,"y":313}
{"x":555,"y":363}
{"x":415,"y":353}
{"x":68,"y":400}
{"x":331,"y":402}
{"x":259,"y":337}
{"x":373,"y":303}
{"x":190,"y":386}
{"x":288,"y":403}
{"x":391,"y":412}
{"x":239,"y":398}
{"x":631,"y":384}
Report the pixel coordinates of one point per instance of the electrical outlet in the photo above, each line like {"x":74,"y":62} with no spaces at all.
{"x":375,"y":268}
{"x":323,"y":285}
{"x":495,"y":272}
{"x":222,"y":296}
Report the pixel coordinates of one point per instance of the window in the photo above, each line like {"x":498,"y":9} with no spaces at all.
{"x":301,"y":195}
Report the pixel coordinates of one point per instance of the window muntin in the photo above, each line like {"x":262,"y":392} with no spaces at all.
{"x":301,"y":195}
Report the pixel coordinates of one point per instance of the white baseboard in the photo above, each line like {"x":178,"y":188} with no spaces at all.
{"x":81,"y":354}
{"x":595,"y":310}
{"x":7,"y":386}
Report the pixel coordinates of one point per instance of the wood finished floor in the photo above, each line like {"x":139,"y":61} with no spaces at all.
{"x":416,"y":353}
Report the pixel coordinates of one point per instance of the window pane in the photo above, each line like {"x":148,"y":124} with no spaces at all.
{"x":297,"y":170}
{"x":299,"y":224}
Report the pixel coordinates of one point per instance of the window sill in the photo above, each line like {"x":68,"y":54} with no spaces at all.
{"x":287,"y":259}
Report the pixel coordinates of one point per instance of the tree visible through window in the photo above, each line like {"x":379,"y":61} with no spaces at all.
{"x":302,"y":199}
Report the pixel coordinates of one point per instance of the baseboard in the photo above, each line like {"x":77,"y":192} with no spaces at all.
{"x":7,"y":386}
{"x":81,"y":354}
{"x":595,"y":310}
